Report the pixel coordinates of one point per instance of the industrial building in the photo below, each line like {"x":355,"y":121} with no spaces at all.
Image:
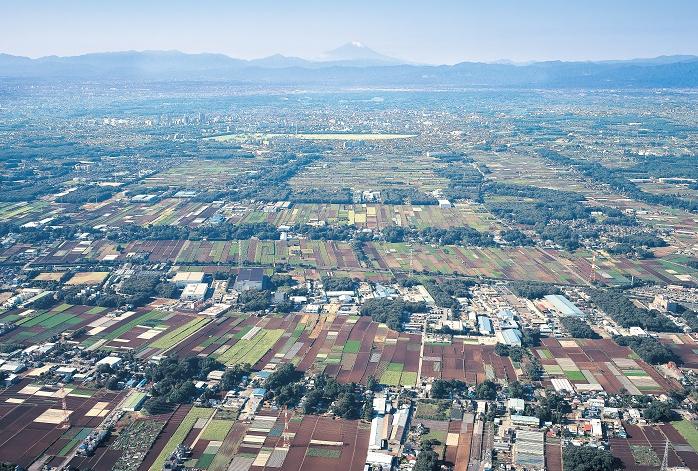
{"x":529,"y":449}
{"x":563,"y":306}
{"x":484,"y":325}
{"x":249,"y":278}
{"x":511,"y":337}
{"x":184,"y":278}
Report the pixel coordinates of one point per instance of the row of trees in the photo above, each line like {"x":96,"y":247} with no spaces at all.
{"x":131,"y":232}
{"x":393,"y":312}
{"x":339,"y":283}
{"x":578,"y":328}
{"x":627,"y":314}
{"x":87,"y":194}
{"x":649,"y":349}
{"x":172,"y":380}
{"x":532,"y":289}
{"x":618,"y":182}
{"x":405,"y":196}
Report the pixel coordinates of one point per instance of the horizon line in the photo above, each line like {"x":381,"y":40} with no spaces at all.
{"x":400,"y":61}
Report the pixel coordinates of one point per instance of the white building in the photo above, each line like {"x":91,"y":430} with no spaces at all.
{"x":184,"y":278}
{"x":516,"y":405}
{"x":194,"y":292}
{"x":111,"y":361}
{"x":384,"y":460}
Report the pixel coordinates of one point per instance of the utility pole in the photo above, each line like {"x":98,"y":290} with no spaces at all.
{"x":411,"y":259}
{"x":665,"y":460}
{"x":593,"y":268}
{"x":287,"y":435}
{"x":65,"y":423}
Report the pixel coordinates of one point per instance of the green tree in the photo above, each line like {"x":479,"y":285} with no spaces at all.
{"x":659,"y":411}
{"x":586,"y":458}
{"x":232,"y":376}
{"x":486,"y":390}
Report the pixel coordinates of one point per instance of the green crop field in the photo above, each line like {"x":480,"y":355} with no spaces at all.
{"x":62,"y":307}
{"x":408,"y":378}
{"x":324,"y":452}
{"x":252,"y":350}
{"x":390,"y":378}
{"x":352,"y":346}
{"x":171,"y":339}
{"x":688,"y":431}
{"x":217,"y":430}
{"x":575,"y":375}
{"x":635,"y":373}
{"x":130,"y":324}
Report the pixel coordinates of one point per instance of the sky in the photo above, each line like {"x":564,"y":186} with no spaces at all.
{"x":423,"y":31}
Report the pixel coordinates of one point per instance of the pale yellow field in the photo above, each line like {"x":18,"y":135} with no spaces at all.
{"x":49,"y":276}
{"x":88,"y":278}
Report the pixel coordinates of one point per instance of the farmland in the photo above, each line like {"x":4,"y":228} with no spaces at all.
{"x":28,"y":426}
{"x":600,"y":365}
{"x":41,"y":325}
{"x":372,"y":171}
{"x":524,"y":263}
{"x":272,"y":277}
{"x":319,"y":345}
{"x":183,"y":429}
{"x":521,"y":263}
{"x":378,"y":216}
{"x":653,"y":438}
{"x":197,"y":173}
{"x":145,"y":332}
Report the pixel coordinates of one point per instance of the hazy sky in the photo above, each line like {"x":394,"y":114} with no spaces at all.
{"x":429,"y":31}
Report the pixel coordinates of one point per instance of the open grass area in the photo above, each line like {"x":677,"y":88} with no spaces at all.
{"x":433,"y":410}
{"x":435,"y":435}
{"x":352,"y":346}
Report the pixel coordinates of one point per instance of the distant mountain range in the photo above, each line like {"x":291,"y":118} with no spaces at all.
{"x":354,"y":64}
